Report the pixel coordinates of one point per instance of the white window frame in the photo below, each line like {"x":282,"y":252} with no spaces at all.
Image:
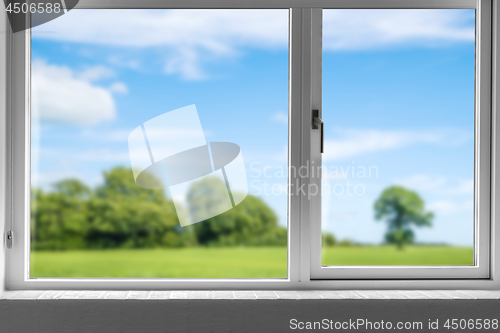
{"x":304,"y":271}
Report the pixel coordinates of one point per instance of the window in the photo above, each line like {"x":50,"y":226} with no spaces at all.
{"x":104,"y":189}
{"x":192,"y":83}
{"x":399,"y":98}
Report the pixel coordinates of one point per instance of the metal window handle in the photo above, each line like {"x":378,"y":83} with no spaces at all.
{"x":10,"y":239}
{"x":317,"y":123}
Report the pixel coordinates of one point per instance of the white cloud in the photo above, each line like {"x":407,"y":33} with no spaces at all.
{"x":191,"y":38}
{"x":121,"y":135}
{"x":102,"y":155}
{"x":91,"y":154}
{"x":171,"y":133}
{"x":280,"y":117}
{"x":450,"y":207}
{"x":342,"y":216}
{"x":122,"y":61}
{"x":117,"y":135}
{"x":46,"y":179}
{"x":119,"y":88}
{"x":438,"y":184}
{"x":96,"y":73}
{"x":186,"y":62}
{"x":465,"y":186}
{"x":60,"y":95}
{"x":217,"y":30}
{"x":422,"y":182}
{"x":359,"y":29}
{"x":355,"y":142}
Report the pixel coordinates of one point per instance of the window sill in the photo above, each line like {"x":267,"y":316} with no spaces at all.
{"x":248,"y":294}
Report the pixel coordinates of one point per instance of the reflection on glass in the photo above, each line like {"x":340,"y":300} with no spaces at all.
{"x":151,"y":131}
{"x":398,"y":167}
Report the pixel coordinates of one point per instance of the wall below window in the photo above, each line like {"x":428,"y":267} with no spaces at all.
{"x":226,"y":315}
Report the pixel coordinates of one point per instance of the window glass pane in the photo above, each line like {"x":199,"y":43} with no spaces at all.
{"x":398,"y":167}
{"x":149,"y":133}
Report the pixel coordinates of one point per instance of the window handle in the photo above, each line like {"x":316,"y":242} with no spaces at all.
{"x":10,"y":239}
{"x":317,"y":123}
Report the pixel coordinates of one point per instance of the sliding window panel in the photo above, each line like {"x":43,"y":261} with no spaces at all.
{"x":399,"y":172}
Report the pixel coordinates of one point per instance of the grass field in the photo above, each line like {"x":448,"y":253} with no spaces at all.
{"x":390,"y":255}
{"x":241,"y":262}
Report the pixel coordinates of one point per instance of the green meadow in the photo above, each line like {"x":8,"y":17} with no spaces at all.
{"x":227,"y":262}
{"x":390,"y":255}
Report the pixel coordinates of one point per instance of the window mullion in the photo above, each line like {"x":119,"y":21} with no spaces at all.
{"x":315,"y":152}
{"x":300,"y":142}
{"x":294,"y":155}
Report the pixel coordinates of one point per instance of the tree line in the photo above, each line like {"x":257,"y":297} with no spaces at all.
{"x":120,"y":214}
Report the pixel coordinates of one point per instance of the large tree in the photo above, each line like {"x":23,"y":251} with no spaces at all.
{"x":122,"y":214}
{"x":251,"y":222}
{"x":401,"y":209}
{"x":59,"y":218}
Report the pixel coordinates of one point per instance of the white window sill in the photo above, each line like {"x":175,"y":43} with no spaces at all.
{"x":249,"y":295}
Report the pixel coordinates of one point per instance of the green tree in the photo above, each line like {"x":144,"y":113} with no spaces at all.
{"x":401,"y":208}
{"x":117,"y":214}
{"x":122,"y":214}
{"x":119,"y":183}
{"x":59,"y":218}
{"x":73,"y":188}
{"x":251,"y":222}
{"x":328,"y":239}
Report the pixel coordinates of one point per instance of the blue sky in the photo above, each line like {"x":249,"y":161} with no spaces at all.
{"x":397,"y":94}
